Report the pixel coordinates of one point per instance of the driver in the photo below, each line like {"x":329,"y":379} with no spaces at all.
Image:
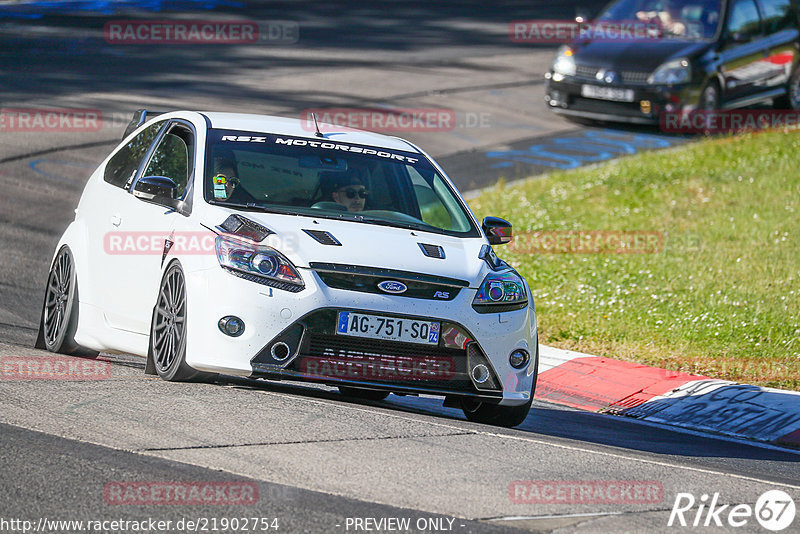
{"x":350,"y":190}
{"x":665,"y":16}
{"x":226,"y":182}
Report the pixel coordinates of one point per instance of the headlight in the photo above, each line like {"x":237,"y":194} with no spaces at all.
{"x":564,"y":63}
{"x":671,"y":72}
{"x":501,"y":292}
{"x":260,"y":264}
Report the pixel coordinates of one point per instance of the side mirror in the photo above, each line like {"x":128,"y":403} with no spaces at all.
{"x":498,"y":231}
{"x":158,"y":190}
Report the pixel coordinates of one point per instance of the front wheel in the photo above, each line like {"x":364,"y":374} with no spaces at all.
{"x":168,"y":329}
{"x":493,"y":414}
{"x":791,"y":100}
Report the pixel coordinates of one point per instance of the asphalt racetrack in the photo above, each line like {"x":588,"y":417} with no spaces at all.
{"x":310,"y":459}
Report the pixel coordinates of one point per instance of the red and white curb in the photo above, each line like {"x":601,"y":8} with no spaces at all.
{"x":657,"y":395}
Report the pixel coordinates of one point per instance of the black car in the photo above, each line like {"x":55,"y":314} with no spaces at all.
{"x":705,"y":55}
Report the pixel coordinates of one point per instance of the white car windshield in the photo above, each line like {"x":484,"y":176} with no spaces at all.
{"x":676,"y":19}
{"x":327,"y":178}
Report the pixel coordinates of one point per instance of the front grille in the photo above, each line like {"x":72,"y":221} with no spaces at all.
{"x":625,"y":109}
{"x":628,"y":76}
{"x":583,"y":71}
{"x":633,"y":76}
{"x":366,"y":280}
{"x":328,"y":357}
{"x":352,"y":358}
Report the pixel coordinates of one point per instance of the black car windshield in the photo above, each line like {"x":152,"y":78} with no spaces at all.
{"x":674,"y":19}
{"x":331,"y":179}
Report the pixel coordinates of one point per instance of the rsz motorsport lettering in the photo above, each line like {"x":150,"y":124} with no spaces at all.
{"x":321,"y":144}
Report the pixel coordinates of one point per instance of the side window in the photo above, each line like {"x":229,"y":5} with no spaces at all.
{"x":172,"y":158}
{"x":777,"y":15}
{"x":122,"y":165}
{"x":743,"y":20}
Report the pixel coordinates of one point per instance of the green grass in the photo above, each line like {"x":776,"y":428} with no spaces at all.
{"x":721,"y":297}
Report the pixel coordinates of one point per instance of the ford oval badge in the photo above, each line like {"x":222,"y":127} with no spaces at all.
{"x":392,"y":286}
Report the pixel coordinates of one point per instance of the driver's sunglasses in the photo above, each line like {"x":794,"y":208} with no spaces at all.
{"x":353,"y":193}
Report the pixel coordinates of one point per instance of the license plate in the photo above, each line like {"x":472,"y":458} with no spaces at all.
{"x":607,"y":93}
{"x":388,"y":328}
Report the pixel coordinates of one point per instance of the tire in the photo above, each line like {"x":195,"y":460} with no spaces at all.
{"x":710,"y":97}
{"x":493,"y":414}
{"x":168,"y":329}
{"x":506,"y":416}
{"x":59,"y":320}
{"x":364,"y":394}
{"x":791,"y":100}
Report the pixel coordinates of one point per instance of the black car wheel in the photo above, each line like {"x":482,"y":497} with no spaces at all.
{"x":493,"y":414}
{"x":365,"y":394}
{"x":168,"y":328}
{"x":791,"y":100}
{"x":60,"y":312}
{"x":709,"y":98}
{"x":507,"y":416}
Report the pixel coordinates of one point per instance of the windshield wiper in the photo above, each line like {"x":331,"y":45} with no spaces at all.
{"x":252,"y":206}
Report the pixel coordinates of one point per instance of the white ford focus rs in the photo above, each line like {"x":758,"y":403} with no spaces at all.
{"x":257,"y":246}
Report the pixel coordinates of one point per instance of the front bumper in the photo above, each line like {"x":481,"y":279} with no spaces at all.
{"x":305,"y":322}
{"x":649,"y":104}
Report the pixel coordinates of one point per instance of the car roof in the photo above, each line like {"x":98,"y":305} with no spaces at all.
{"x":301,"y":128}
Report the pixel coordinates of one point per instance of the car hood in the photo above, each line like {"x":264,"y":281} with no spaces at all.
{"x":640,"y":55}
{"x":370,"y":245}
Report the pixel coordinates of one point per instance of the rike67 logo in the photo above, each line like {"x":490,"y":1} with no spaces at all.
{"x":774,"y":510}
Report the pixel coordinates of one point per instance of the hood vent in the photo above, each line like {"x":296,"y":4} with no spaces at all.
{"x":326,"y":238}
{"x":432,"y":251}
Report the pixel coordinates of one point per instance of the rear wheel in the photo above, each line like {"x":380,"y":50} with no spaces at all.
{"x":60,"y":311}
{"x":168,"y":329}
{"x":365,"y":394}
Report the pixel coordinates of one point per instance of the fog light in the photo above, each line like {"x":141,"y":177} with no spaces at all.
{"x":480,"y":373}
{"x":518,"y":359}
{"x":231,"y":325}
{"x":280,"y":351}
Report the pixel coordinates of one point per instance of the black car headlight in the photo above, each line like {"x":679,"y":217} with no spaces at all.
{"x":501,"y":292}
{"x":260,"y":263}
{"x":564,"y":63}
{"x":671,"y":73}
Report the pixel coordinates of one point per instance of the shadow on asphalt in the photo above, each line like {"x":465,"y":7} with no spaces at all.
{"x":63,"y":51}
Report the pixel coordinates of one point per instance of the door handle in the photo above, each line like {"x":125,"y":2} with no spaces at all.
{"x":116,"y":220}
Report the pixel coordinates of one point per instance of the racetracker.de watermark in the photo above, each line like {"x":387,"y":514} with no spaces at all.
{"x":203,"y":32}
{"x":585,"y":492}
{"x":587,"y":242}
{"x":53,"y":368}
{"x":388,"y":120}
{"x":178,"y":243}
{"x":566,"y":31}
{"x":50,"y":120}
{"x":379,"y":368}
{"x":180,"y":493}
{"x":731,"y":121}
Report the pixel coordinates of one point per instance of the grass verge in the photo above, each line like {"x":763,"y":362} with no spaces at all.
{"x":710,"y":286}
